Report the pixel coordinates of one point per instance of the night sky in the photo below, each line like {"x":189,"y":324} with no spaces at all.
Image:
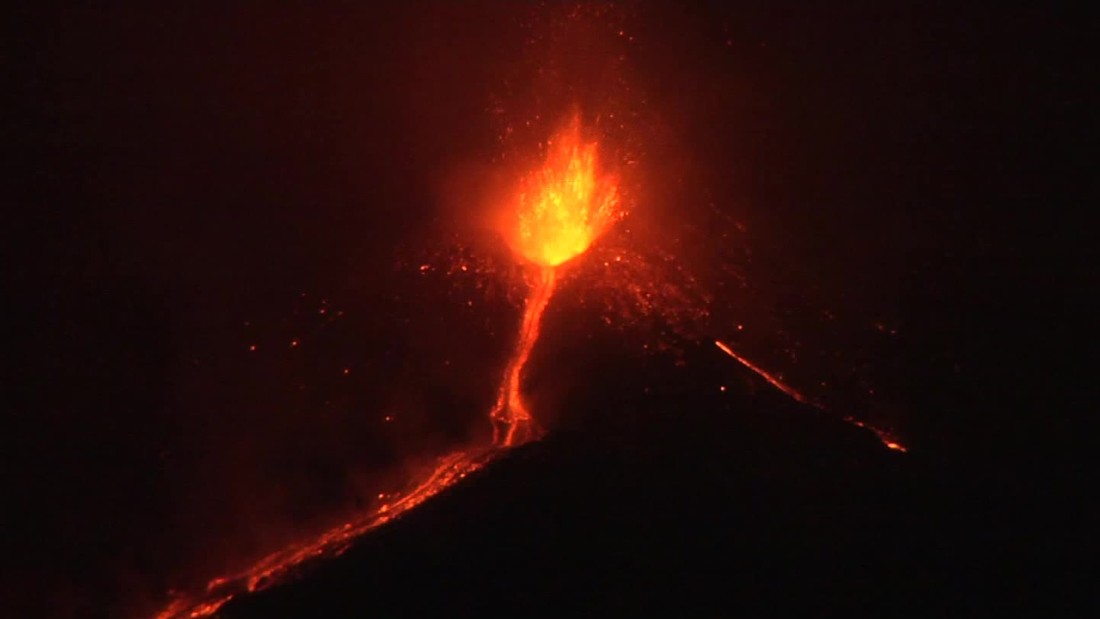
{"x":888,"y":197}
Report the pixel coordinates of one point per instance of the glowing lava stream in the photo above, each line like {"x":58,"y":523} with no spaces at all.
{"x":510,"y":415}
{"x":885,"y":437}
{"x":559,"y":210}
{"x":277,"y":566}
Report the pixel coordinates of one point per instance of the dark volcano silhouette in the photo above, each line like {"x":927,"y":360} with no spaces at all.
{"x":701,"y":502}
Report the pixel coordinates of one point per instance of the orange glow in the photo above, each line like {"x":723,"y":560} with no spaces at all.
{"x":563,"y":206}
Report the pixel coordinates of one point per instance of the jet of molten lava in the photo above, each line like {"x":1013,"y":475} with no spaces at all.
{"x":559,"y":209}
{"x":562,"y":207}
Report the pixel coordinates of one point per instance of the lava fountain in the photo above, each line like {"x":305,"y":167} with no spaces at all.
{"x":557,"y":211}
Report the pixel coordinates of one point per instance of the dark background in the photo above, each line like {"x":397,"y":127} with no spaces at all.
{"x":183,"y":184}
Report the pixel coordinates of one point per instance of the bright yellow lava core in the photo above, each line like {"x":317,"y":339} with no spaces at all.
{"x":563,"y":206}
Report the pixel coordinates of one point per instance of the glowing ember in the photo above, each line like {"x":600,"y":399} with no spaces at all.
{"x":558,"y":211}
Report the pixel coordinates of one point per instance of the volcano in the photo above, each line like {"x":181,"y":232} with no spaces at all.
{"x":692,"y":499}
{"x":514,"y":309}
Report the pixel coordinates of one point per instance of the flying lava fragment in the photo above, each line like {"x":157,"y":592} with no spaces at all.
{"x":557,"y":211}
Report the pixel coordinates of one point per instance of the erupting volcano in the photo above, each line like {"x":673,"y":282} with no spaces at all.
{"x":554,"y":214}
{"x":496,"y":308}
{"x":558,"y":211}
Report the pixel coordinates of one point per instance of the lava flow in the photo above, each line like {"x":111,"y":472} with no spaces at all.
{"x":885,"y":437}
{"x":279,"y":565}
{"x":775,"y":382}
{"x":559,"y":210}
